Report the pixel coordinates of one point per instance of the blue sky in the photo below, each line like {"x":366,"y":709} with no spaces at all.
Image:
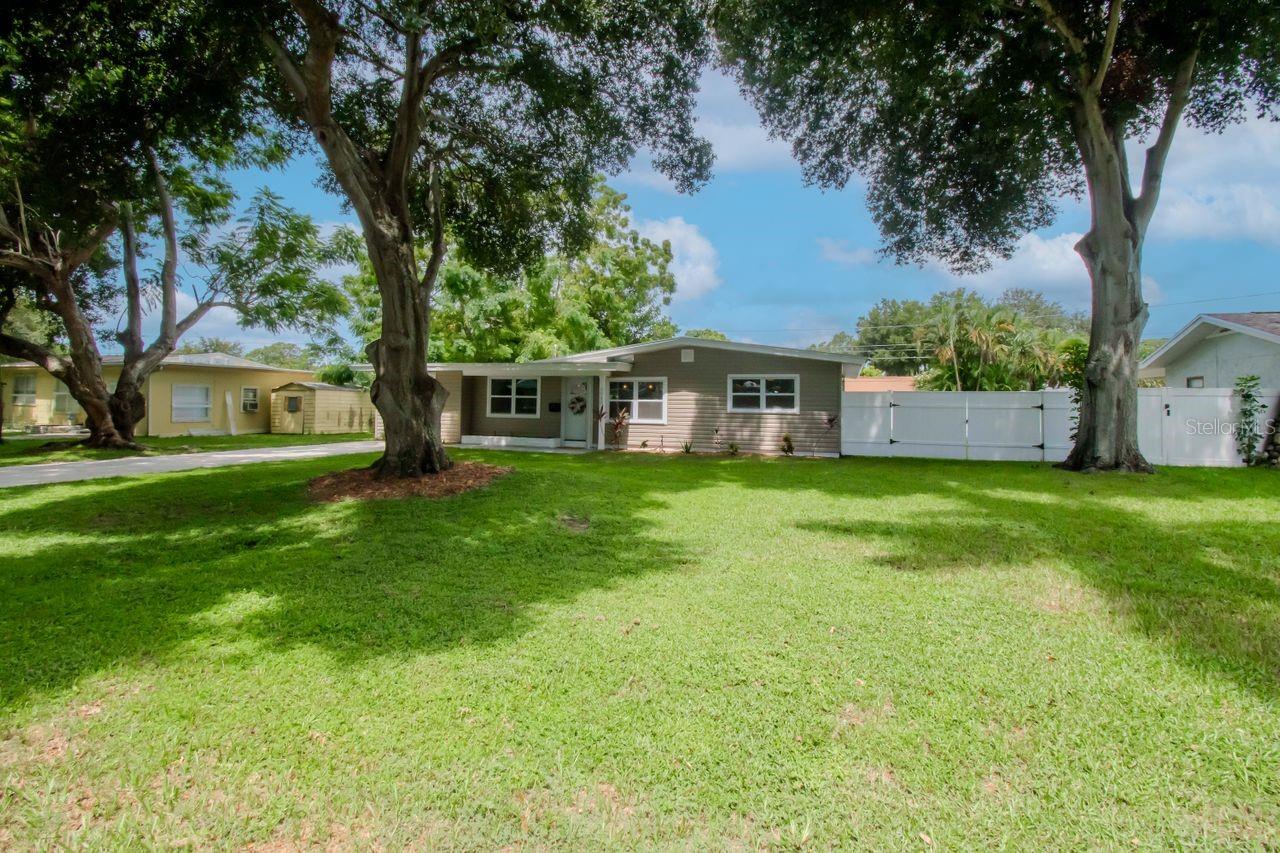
{"x":765,"y":258}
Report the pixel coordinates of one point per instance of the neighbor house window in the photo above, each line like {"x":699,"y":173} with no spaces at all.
{"x":645,"y":400}
{"x":63,"y":402}
{"x":513,"y":398}
{"x":293,"y":404}
{"x":248,"y":399}
{"x":764,"y":393}
{"x":24,"y":390}
{"x":1195,"y":381}
{"x":192,"y":403}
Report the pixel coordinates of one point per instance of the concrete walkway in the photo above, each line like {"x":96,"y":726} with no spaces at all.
{"x":67,"y":472}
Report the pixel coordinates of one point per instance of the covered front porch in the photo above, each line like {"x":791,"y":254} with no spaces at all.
{"x":539,"y":406}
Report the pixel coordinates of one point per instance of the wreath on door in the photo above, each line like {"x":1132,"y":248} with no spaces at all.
{"x":577,"y":404}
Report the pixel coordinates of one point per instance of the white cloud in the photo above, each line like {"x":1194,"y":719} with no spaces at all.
{"x":695,"y":261}
{"x":839,"y":252}
{"x":1047,"y":264}
{"x":732,"y":126}
{"x":1220,"y":186}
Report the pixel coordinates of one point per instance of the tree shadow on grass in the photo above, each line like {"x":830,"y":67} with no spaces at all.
{"x":1207,"y":588}
{"x":128,"y":570}
{"x":117,"y":571}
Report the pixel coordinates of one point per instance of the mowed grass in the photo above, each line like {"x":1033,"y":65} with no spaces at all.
{"x":617,"y":651}
{"x":33,"y":451}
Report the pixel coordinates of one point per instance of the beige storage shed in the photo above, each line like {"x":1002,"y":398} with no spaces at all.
{"x":315,"y":408}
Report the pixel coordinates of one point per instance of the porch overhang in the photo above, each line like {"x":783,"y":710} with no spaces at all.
{"x":541,"y":368}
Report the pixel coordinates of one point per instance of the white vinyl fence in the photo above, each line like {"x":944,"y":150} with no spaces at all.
{"x":1176,"y":426}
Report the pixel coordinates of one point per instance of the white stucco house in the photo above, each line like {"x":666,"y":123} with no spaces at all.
{"x":1214,"y":350}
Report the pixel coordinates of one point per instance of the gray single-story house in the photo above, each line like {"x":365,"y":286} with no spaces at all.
{"x":1214,"y":350}
{"x":707,"y":393}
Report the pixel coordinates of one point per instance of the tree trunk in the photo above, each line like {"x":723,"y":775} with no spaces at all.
{"x":1107,"y":437}
{"x":1107,"y":433}
{"x":409,"y":399}
{"x":128,"y":408}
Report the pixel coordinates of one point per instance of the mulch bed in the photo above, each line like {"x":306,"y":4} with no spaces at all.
{"x":364,"y":484}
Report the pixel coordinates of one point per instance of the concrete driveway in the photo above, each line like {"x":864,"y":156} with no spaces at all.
{"x":67,"y":472}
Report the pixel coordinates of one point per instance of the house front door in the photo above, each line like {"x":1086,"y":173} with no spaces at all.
{"x":574,"y":414}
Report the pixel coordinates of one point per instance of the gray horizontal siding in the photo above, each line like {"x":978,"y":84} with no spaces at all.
{"x":475,"y":395}
{"x":697,"y":403}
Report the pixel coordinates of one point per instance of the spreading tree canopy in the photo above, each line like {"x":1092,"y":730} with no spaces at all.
{"x":483,"y":122}
{"x":115,"y":119}
{"x":611,"y":292}
{"x":971,"y":119}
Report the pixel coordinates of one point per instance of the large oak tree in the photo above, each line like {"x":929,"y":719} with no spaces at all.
{"x":970,"y":119}
{"x":115,"y":117}
{"x":487,"y":122}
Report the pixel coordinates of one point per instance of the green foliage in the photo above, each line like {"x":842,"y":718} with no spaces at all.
{"x":91,"y":95}
{"x":987,"y":348}
{"x":888,"y":333}
{"x":344,"y":374}
{"x":788,"y":446}
{"x":870,"y":370}
{"x":285,"y":354}
{"x":706,"y":334}
{"x":531,"y":102}
{"x":614,"y":292}
{"x":1074,"y":354}
{"x":686,"y":447}
{"x":1248,"y":431}
{"x":268,"y":266}
{"x":733,"y":448}
{"x":959,"y":113}
{"x":204,"y":344}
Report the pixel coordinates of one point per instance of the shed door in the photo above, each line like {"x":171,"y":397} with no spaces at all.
{"x":291,"y":416}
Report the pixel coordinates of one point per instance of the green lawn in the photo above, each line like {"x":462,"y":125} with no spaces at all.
{"x":733,"y":652}
{"x":28,"y":451}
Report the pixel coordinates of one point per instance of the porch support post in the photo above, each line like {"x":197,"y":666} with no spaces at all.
{"x":604,"y":403}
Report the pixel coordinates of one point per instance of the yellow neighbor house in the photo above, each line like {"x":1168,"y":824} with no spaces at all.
{"x":200,"y":394}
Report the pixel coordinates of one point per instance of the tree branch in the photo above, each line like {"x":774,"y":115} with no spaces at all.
{"x":131,"y":337}
{"x":437,"y":231}
{"x":169,"y":269}
{"x":16,"y":347}
{"x":1060,"y":24}
{"x":85,"y":251}
{"x":1158,"y":153}
{"x":1108,"y":46}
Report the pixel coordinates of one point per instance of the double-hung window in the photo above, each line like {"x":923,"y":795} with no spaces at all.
{"x":24,"y":390}
{"x":645,"y":400}
{"x":192,"y":403}
{"x":513,"y":398}
{"x":764,"y":393}
{"x":249,"y":400}
{"x":63,"y":402}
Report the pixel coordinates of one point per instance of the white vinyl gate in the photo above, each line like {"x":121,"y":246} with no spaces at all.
{"x":1175,"y":426}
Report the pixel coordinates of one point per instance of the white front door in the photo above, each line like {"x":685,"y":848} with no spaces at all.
{"x":575,"y":419}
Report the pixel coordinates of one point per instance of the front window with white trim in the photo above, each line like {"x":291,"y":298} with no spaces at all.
{"x":514,"y":398}
{"x":764,"y":393}
{"x":644,"y":399}
{"x":192,"y":403}
{"x":249,"y":400}
{"x":24,"y":390}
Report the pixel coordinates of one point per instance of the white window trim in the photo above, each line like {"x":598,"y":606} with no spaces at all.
{"x":763,"y":377}
{"x":24,"y":398}
{"x":488,"y":397}
{"x":173,"y":406}
{"x":257,"y":400}
{"x":636,"y":400}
